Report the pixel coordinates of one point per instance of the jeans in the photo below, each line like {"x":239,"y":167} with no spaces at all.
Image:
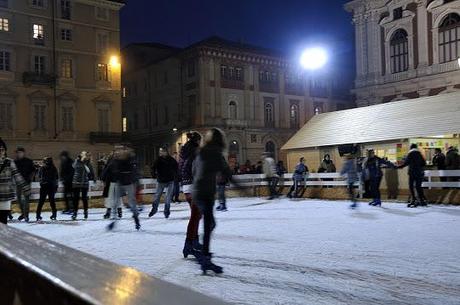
{"x":128,"y":190}
{"x":351,"y":192}
{"x":169,"y":193}
{"x":76,"y":198}
{"x":221,"y":194}
{"x":295,"y":187}
{"x":46,"y":191}
{"x":24,"y":202}
{"x":194,"y":221}
{"x":272,"y":183}
{"x":209,"y":223}
{"x":374,"y":187}
{"x":415,"y":184}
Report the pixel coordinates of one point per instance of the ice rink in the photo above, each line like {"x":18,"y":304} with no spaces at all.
{"x":290,"y":252}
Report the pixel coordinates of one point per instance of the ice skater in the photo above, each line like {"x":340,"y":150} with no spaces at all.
{"x":222,"y":181}
{"x":66,"y":175}
{"x":209,"y":162}
{"x":350,"y":171}
{"x":301,"y":171}
{"x":83,"y":173}
{"x":269,"y":172}
{"x":187,"y":156}
{"x":416,"y":163}
{"x":49,"y":180}
{"x":112,"y":201}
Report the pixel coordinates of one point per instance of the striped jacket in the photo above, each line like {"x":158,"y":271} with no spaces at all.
{"x":9,"y":179}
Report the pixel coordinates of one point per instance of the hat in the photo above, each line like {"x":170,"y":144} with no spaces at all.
{"x":3,"y":144}
{"x":20,"y":148}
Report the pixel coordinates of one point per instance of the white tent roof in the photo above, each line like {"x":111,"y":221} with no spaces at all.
{"x":421,"y":117}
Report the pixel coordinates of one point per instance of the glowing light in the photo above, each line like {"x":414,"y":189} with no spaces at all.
{"x":114,"y":61}
{"x":314,"y":58}
{"x":458,"y":60}
{"x":174,"y":129}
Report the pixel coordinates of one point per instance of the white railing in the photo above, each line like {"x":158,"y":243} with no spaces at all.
{"x":148,"y":186}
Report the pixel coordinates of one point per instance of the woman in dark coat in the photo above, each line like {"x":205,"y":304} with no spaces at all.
{"x":83,"y":173}
{"x":48,"y":176}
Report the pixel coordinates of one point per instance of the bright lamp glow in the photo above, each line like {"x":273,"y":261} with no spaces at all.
{"x":114,"y":61}
{"x":314,"y":58}
{"x":458,"y":61}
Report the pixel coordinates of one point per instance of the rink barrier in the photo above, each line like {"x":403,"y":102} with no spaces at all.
{"x":148,"y":186}
{"x":36,"y":271}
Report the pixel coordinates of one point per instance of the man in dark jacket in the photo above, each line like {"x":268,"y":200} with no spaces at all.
{"x":66,"y":174}
{"x":26,"y":168}
{"x":373,"y":166}
{"x":452,"y":161}
{"x":416,"y":163}
{"x":164,"y":170}
{"x":439,"y":159}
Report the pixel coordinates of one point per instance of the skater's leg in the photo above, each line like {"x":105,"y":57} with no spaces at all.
{"x":156,"y":201}
{"x":51,"y":196}
{"x":168,"y":199}
{"x":4,"y":216}
{"x":84,"y":198}
{"x":41,"y":201}
{"x":76,"y":201}
{"x":419,"y":188}
{"x":131,"y":194}
{"x":194,"y":221}
{"x":412,"y":188}
{"x":209,"y":224}
{"x":113,"y":200}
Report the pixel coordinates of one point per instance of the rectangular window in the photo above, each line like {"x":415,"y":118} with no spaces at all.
{"x":102,"y":13}
{"x":4,"y":24}
{"x":66,"y":9}
{"x":102,"y":72}
{"x":66,"y":34}
{"x":39,"y":117}
{"x":38,"y":34}
{"x":6,"y":116}
{"x":39,"y":65}
{"x":5,"y":61}
{"x":67,"y":118}
{"x":103,"y":120}
{"x":39,"y":3}
{"x":397,"y":13}
{"x":102,"y":42}
{"x":125,"y":124}
{"x":66,"y":68}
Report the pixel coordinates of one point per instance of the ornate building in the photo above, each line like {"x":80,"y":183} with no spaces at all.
{"x":60,"y":79}
{"x":257,"y":96}
{"x":405,"y":48}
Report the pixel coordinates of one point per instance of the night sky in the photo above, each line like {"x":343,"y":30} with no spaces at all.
{"x":285,"y":25}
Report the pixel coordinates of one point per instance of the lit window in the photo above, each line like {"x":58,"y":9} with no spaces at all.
{"x":125,"y":124}
{"x":399,"y":52}
{"x":67,"y":118}
{"x":65,"y":9}
{"x":294,"y":116}
{"x":66,"y":34}
{"x":102,"y":72}
{"x":38,"y":34}
{"x":66,"y":68}
{"x":5,"y":58}
{"x":4,"y":24}
{"x":39,"y":65}
{"x":124,"y":91}
{"x":449,"y":38}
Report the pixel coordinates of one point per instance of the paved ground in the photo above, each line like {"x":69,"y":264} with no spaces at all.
{"x":292,"y":252}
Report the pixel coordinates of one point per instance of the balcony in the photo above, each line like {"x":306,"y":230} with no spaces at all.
{"x":294,"y":89}
{"x":32,"y":78}
{"x":105,"y":137}
{"x":232,"y":84}
{"x":270,"y":87}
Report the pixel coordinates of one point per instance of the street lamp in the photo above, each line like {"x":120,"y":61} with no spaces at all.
{"x":114,"y":61}
{"x":314,"y":58}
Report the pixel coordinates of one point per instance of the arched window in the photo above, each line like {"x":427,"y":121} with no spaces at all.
{"x":294,"y":116}
{"x":449,"y":38}
{"x":399,"y":52}
{"x":318,"y":109}
{"x":270,"y":147}
{"x":232,"y":110}
{"x":269,"y":116}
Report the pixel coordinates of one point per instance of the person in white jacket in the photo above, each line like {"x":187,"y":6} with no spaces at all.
{"x":269,"y":172}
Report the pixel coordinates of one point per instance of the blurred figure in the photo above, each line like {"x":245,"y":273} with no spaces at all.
{"x":300,"y":172}
{"x":83,"y":173}
{"x":373,"y":167}
{"x":327,"y":165}
{"x":27,"y":169}
{"x":66,"y":174}
{"x":452,"y":161}
{"x":124,"y":171}
{"x":112,"y":200}
{"x":351,"y":172}
{"x":416,"y":163}
{"x":49,"y":179}
{"x":165,"y":171}
{"x":209,"y":162}
{"x":187,"y":156}
{"x":222,"y":181}
{"x":439,"y":159}
{"x":269,"y":172}
{"x":280,"y":169}
{"x":10,"y":178}
{"x":259,"y":168}
{"x":176,"y":191}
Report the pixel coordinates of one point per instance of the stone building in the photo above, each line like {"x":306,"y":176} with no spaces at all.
{"x":405,"y":48}
{"x":60,"y":78}
{"x":258,"y":97}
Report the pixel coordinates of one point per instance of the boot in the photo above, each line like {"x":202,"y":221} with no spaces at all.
{"x":39,"y":218}
{"x":197,"y":245}
{"x":207,"y":264}
{"x":85,"y":214}
{"x":21,"y":217}
{"x":413,"y":204}
{"x":53,"y":216}
{"x":120,"y":212}
{"x":107,"y":213}
{"x":377,"y":203}
{"x":189,"y":249}
{"x":137,"y":223}
{"x":74,"y":216}
{"x":10,"y":216}
{"x":153,"y":212}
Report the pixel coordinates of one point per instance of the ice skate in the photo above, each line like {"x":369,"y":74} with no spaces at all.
{"x":39,"y":218}
{"x":354,"y":205}
{"x":137,"y":223}
{"x":189,"y":249}
{"x":376,"y":203}
{"x":74,"y":216}
{"x":153,"y":211}
{"x":120,"y":212}
{"x":85,"y":214}
{"x":107,"y":213}
{"x":208,"y":265}
{"x":53,"y":216}
{"x":413,"y":204}
{"x":21,"y":217}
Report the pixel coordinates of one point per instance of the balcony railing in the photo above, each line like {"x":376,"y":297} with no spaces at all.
{"x":232,"y":84}
{"x":32,"y":78}
{"x":270,"y":87}
{"x":105,"y":137}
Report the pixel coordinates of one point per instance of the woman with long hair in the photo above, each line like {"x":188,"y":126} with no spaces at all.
{"x":208,"y":164}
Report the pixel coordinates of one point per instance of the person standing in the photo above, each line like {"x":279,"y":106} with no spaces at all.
{"x":10,"y":178}
{"x":165,"y":170}
{"x":209,"y":162}
{"x":222,"y":181}
{"x":452,"y":161}
{"x":269,"y":171}
{"x":327,"y":165}
{"x":351,"y":172}
{"x":301,"y":170}
{"x":83,"y":173}
{"x":416,"y":163}
{"x":439,"y":159}
{"x":176,"y":191}
{"x":373,"y":167}
{"x":124,"y":171}
{"x":27,"y":169}
{"x":111,"y":200}
{"x":49,"y":179}
{"x":187,"y":156}
{"x":66,"y":175}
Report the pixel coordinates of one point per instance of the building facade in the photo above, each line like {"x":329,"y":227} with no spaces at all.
{"x":405,"y":48}
{"x":259,"y":98}
{"x":60,"y":79}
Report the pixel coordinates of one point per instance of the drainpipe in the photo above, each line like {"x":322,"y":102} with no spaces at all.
{"x":53,"y":17}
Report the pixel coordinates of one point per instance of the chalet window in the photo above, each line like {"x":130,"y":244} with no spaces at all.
{"x":4,"y":24}
{"x":449,"y":38}
{"x":5,"y":58}
{"x":399,"y":52}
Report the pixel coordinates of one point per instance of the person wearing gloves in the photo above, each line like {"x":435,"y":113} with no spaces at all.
{"x":10,"y":178}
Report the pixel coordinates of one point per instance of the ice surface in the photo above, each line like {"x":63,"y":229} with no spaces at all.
{"x":290,"y":252}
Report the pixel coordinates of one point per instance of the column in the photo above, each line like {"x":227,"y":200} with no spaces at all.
{"x":422,"y":34}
